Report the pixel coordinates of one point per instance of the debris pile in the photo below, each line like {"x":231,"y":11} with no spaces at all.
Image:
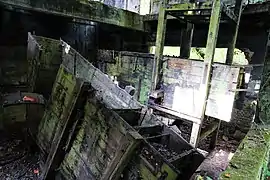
{"x":164,"y":150}
{"x":17,"y":161}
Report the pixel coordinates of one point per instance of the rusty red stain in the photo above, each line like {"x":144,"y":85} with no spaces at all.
{"x":27,"y":98}
{"x":179,"y":64}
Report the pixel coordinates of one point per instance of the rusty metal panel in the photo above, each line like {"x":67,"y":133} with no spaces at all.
{"x":221,"y":97}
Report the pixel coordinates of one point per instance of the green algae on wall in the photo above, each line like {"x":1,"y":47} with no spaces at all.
{"x":250,"y":158}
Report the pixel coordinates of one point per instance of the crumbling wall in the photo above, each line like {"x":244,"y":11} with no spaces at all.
{"x":130,"y":69}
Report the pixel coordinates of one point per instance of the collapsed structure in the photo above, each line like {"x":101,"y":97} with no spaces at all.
{"x":111,"y":115}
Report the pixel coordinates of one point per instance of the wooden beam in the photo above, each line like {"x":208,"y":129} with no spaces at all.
{"x":209,"y":58}
{"x":160,"y":39}
{"x":186,"y":40}
{"x":238,"y":12}
{"x":209,"y":130}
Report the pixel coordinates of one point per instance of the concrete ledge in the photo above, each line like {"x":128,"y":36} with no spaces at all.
{"x":91,"y":10}
{"x":251,"y":158}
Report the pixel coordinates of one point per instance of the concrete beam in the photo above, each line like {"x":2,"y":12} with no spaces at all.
{"x":91,"y":11}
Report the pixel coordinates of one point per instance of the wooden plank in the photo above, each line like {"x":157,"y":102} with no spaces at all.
{"x":160,"y":40}
{"x":69,"y":86}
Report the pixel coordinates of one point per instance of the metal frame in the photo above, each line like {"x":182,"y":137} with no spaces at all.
{"x":216,"y":8}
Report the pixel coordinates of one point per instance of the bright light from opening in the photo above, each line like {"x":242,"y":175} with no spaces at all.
{"x":67,"y":48}
{"x":247,"y":77}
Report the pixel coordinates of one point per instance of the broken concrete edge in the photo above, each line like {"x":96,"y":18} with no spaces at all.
{"x":91,"y":11}
{"x":251,"y":158}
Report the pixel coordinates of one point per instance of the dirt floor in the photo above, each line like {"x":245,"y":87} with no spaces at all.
{"x":17,"y":161}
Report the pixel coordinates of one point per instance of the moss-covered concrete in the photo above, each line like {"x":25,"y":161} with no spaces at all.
{"x":81,"y":9}
{"x":251,"y":158}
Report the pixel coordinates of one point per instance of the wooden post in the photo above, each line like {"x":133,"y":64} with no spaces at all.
{"x":160,"y":38}
{"x":209,"y":58}
{"x":235,"y":26}
{"x":186,"y":40}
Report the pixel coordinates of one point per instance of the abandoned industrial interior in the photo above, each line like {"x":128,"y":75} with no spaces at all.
{"x":134,"y":90}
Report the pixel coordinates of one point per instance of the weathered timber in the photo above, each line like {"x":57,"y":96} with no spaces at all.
{"x":102,"y":145}
{"x":65,"y":92}
{"x":208,"y":62}
{"x":74,"y":71}
{"x":85,"y":10}
{"x":160,"y":41}
{"x":44,"y":59}
{"x":186,"y":40}
{"x":162,"y":155}
{"x":209,"y":130}
{"x":235,"y":26}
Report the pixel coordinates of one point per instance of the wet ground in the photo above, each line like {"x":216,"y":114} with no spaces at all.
{"x":17,"y":160}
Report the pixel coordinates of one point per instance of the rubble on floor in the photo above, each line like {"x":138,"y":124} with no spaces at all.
{"x":17,"y":161}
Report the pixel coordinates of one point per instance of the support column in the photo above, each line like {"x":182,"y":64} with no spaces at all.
{"x":186,"y":40}
{"x":209,"y":58}
{"x":160,"y":39}
{"x":235,"y":26}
